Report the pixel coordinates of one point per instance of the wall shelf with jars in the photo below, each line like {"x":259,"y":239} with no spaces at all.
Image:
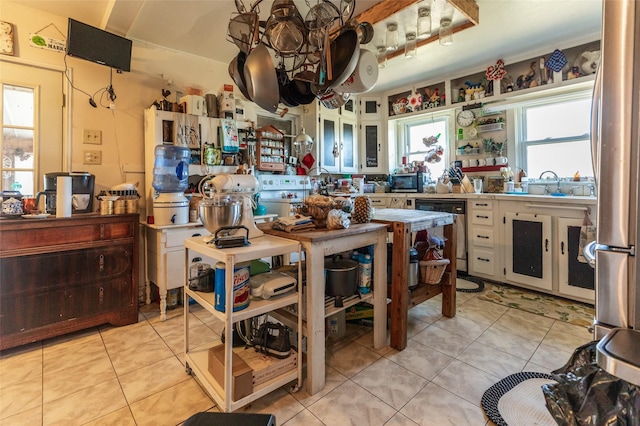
{"x":271,"y":148}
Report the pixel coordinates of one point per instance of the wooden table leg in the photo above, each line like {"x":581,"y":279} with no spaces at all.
{"x":380,"y":290}
{"x":400,"y":285}
{"x":315,"y":319}
{"x":449,"y":279}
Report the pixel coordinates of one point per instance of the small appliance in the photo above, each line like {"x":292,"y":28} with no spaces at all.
{"x":243,"y":189}
{"x":82,"y":192}
{"x":407,"y":182}
{"x":270,"y":284}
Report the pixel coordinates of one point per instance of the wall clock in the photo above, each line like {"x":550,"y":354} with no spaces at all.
{"x":465,"y":118}
{"x":6,"y":38}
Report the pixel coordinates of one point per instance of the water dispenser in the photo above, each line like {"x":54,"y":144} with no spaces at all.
{"x":170,"y":180}
{"x":171,"y":168}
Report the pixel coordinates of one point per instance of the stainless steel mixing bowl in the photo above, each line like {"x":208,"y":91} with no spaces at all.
{"x":217,"y":212}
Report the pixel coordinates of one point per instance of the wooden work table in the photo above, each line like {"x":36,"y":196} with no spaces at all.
{"x":320,"y":243}
{"x":403,"y":223}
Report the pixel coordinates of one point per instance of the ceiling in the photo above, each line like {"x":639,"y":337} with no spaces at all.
{"x":506,"y":29}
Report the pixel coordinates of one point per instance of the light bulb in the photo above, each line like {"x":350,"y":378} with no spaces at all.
{"x":424,"y":22}
{"x":392,"y":36}
{"x":446,"y":32}
{"x":382,"y":56}
{"x":411,"y":47}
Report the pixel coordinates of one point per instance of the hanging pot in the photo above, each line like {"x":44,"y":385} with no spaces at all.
{"x":345,"y":52}
{"x":261,"y":79}
{"x":341,"y":278}
{"x":236,"y":71}
{"x":334,"y":100}
{"x":364,"y":77}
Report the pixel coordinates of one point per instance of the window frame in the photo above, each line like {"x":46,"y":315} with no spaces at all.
{"x":403,"y":125}
{"x":520,"y":124}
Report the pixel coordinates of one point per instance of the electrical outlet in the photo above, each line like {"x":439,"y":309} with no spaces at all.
{"x":92,"y":136}
{"x":92,"y":157}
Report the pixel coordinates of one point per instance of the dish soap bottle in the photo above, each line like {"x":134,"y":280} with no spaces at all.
{"x":521,"y":175}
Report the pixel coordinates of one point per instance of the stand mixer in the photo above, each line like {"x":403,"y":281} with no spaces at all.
{"x":241,"y":187}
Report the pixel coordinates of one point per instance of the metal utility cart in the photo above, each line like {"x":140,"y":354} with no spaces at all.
{"x":196,"y":359}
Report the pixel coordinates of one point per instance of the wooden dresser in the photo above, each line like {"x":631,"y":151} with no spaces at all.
{"x":67,"y":274}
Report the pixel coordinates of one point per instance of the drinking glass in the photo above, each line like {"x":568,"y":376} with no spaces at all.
{"x":477,"y":186}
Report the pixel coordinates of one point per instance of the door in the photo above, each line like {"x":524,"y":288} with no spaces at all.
{"x":371,"y":156}
{"x":370,"y":108}
{"x":528,"y":249}
{"x":575,"y":278}
{"x":348,"y":146}
{"x":32,"y":101}
{"x":329,"y":144}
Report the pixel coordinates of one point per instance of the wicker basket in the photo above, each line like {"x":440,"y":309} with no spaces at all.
{"x":431,"y":271}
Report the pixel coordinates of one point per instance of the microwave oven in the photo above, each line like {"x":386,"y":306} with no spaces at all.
{"x":407,"y":182}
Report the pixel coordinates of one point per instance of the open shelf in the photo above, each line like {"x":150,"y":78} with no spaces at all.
{"x":483,"y":168}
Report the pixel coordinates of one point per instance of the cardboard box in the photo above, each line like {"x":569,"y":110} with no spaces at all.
{"x":359,"y":311}
{"x":265,"y":367}
{"x":193,"y":104}
{"x":241,"y":374}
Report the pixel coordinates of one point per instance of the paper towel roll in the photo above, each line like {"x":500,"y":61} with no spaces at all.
{"x":63,"y":196}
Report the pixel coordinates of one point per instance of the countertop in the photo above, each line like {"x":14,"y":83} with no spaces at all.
{"x":569,"y":199}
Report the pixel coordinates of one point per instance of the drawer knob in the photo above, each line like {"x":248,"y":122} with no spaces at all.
{"x":482,"y":217}
{"x":482,"y":236}
{"x":483,"y":259}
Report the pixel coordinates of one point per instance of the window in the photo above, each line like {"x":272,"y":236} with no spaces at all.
{"x":17,"y":145}
{"x":414,"y":148}
{"x":555,"y":135}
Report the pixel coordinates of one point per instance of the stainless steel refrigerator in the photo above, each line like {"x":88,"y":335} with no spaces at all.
{"x":615,"y":149}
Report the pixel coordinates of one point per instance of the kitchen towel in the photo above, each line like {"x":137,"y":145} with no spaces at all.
{"x":63,"y":196}
{"x":587,"y":234}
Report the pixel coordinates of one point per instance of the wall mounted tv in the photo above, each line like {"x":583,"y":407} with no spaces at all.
{"x":99,"y":46}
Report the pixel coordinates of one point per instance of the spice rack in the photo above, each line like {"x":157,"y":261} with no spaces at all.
{"x":271,"y":149}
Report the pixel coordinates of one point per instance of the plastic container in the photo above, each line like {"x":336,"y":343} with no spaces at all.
{"x":365,"y":266}
{"x":171,"y":168}
{"x":241,"y":287}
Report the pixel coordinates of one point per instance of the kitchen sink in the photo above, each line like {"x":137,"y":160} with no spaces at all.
{"x":567,"y":187}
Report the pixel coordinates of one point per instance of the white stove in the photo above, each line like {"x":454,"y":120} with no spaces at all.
{"x":279,"y":193}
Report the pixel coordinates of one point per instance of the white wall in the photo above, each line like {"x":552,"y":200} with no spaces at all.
{"x":122,"y":129}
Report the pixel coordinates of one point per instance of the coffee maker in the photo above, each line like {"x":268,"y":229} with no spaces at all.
{"x":81,"y":189}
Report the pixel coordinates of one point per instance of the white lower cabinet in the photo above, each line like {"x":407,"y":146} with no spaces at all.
{"x":575,"y":277}
{"x":197,"y":358}
{"x":165,"y":258}
{"x":482,"y":242}
{"x":528,"y":250}
{"x":541,"y":248}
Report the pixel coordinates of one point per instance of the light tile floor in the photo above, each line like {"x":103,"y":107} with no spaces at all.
{"x":135,"y":375}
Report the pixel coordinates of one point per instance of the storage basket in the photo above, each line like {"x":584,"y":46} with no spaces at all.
{"x":431,"y":271}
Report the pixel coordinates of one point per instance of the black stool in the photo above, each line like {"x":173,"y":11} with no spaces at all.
{"x":230,"y":419}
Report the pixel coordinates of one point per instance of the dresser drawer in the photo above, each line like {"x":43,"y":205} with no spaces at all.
{"x":379,"y":202}
{"x":481,"y":204}
{"x":484,"y":217}
{"x":483,"y":262}
{"x":176,"y":237}
{"x":482,"y":236}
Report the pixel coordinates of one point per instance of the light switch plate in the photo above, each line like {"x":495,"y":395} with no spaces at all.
{"x":92,"y":136}
{"x":92,"y":157}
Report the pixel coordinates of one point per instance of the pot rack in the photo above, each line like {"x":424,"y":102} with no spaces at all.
{"x":303,"y":47}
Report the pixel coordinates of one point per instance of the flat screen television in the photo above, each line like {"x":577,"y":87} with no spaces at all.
{"x":99,"y":46}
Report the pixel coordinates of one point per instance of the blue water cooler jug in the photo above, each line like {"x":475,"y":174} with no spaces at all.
{"x":171,"y":168}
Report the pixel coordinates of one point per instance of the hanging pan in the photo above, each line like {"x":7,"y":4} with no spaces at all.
{"x":236,"y":71}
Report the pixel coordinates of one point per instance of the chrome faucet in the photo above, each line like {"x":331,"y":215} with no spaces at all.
{"x":555,"y":175}
{"x":592,"y":190}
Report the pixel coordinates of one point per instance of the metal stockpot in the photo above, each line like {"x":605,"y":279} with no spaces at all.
{"x":341,"y":278}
